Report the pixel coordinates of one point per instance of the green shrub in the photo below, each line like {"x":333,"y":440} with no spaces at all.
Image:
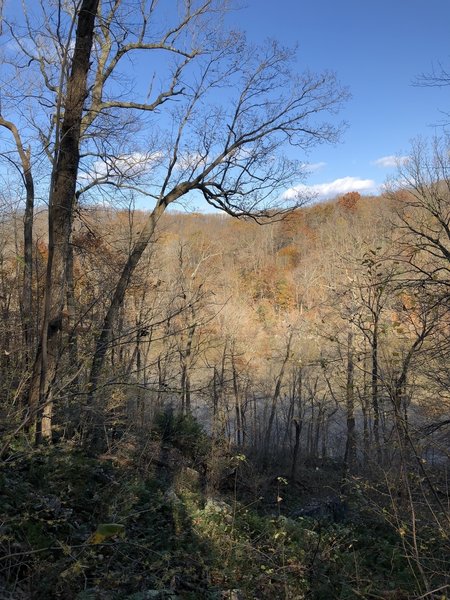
{"x":183,"y":432}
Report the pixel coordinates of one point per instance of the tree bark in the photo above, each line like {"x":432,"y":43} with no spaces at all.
{"x":60,"y":216}
{"x":350,"y":450}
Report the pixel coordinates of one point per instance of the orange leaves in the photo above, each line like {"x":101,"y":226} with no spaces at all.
{"x":42,"y":249}
{"x":349,"y":201}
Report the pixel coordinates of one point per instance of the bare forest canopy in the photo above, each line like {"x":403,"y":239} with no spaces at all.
{"x":248,"y":327}
{"x":276,"y":338}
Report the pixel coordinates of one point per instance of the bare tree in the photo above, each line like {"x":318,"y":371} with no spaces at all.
{"x":213,"y":125}
{"x":275,"y":399}
{"x":422,"y":191}
{"x":234,"y":164}
{"x":439,"y":76}
{"x":24,"y":166}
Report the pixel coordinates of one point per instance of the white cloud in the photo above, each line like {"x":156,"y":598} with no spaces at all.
{"x":190,"y":161}
{"x":391,"y":161}
{"x":123,"y":166}
{"x":337,"y":187}
{"x":313,"y":167}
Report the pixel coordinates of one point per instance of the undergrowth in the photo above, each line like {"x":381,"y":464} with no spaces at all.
{"x":87,"y":528}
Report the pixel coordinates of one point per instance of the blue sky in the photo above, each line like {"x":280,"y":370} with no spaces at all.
{"x":377,"y":49}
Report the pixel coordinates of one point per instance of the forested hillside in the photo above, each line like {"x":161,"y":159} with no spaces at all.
{"x":298,"y":367}
{"x":248,"y":400}
{"x":332,"y":320}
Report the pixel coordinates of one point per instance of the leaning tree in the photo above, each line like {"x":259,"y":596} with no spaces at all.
{"x":158,"y":102}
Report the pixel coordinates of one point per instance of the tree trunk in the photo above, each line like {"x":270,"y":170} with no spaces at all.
{"x":298,"y":430}
{"x":350,"y":450}
{"x":375,"y":399}
{"x":237,"y":403}
{"x":128,"y":269}
{"x":71,"y":313}
{"x":275,"y":397}
{"x":365,"y":407}
{"x":27,"y":289}
{"x":26,"y":302}
{"x":60,"y":216}
{"x":316,"y":437}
